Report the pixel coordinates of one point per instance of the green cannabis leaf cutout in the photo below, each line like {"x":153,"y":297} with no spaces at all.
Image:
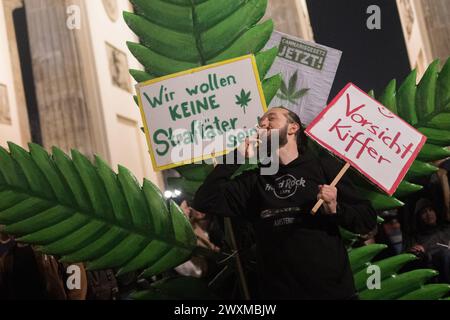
{"x":243,"y":99}
{"x":290,"y":93}
{"x":83,"y":211}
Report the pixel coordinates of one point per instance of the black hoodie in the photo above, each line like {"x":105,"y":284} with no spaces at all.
{"x":300,"y":256}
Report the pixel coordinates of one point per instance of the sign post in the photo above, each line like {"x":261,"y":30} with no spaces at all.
{"x":365,"y":134}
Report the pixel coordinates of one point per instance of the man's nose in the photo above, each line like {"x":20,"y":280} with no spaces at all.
{"x":264,"y":124}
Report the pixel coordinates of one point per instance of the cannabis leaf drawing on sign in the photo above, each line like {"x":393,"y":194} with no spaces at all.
{"x":243,"y":99}
{"x":291,"y":94}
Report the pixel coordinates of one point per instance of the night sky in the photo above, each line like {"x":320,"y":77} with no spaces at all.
{"x":371,"y":58}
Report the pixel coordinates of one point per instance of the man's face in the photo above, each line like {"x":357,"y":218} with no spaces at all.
{"x":276,"y":119}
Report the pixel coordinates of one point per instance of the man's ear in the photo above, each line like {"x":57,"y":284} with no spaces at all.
{"x":293,"y":128}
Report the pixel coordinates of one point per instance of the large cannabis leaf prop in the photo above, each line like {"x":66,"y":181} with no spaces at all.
{"x":87,"y":213}
{"x":404,"y":286}
{"x":178,"y":35}
{"x":290,"y":93}
{"x":425,"y":106}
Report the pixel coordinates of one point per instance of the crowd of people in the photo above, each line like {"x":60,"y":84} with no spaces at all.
{"x":422,"y":226}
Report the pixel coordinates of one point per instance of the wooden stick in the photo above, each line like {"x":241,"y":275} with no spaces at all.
{"x":240,"y":269}
{"x":333,"y":184}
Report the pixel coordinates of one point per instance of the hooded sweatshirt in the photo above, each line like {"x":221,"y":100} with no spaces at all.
{"x":299,"y":256}
{"x":430,"y":236}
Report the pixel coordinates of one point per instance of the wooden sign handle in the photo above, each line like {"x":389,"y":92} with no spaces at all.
{"x":333,"y":184}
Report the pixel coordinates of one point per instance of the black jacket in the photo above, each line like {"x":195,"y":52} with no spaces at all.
{"x":300,"y":256}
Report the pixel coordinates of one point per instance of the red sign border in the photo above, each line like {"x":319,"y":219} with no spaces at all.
{"x":405,"y":168}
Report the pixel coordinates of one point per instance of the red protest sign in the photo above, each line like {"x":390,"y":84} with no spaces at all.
{"x":363,"y":132}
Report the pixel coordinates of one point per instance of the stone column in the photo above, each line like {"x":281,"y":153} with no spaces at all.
{"x":64,"y":79}
{"x":426,"y":26}
{"x":9,"y":7}
{"x":291,"y":17}
{"x":436,"y":16}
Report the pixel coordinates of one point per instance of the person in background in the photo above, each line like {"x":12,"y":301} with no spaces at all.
{"x":443,"y":175}
{"x":26,"y":274}
{"x":198,"y":266}
{"x":432,"y":239}
{"x":390,"y":233}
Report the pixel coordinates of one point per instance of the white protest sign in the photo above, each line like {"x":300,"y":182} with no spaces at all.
{"x":308,"y":70}
{"x":367,"y":135}
{"x":200,"y":113}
